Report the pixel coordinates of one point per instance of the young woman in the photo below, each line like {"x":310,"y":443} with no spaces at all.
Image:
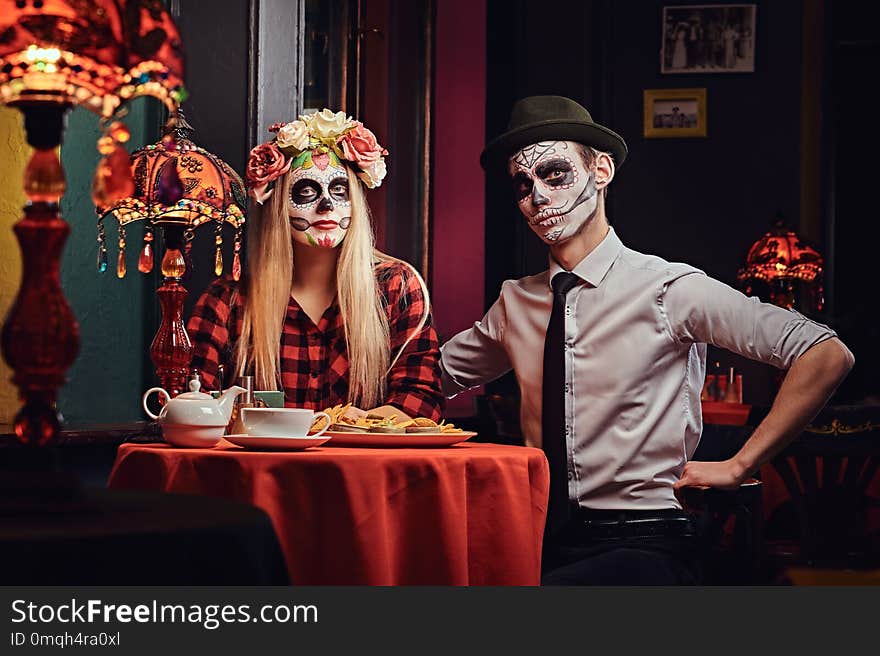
{"x":320,"y":313}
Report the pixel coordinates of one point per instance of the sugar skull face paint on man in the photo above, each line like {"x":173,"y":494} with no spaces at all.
{"x":554,"y":189}
{"x":319,"y":207}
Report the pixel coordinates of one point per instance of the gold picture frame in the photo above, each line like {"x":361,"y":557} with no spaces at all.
{"x":675,"y":113}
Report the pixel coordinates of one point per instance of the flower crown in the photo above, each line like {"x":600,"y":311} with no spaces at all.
{"x":313,"y":140}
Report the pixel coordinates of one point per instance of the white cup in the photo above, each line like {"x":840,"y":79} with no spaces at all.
{"x":281,"y":422}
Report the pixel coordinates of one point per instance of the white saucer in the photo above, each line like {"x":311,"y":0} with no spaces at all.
{"x":276,"y":443}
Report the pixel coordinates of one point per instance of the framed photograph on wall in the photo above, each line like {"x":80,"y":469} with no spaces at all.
{"x":675,"y":113}
{"x":708,"y":39}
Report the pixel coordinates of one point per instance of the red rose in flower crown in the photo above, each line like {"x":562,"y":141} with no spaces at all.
{"x":265,"y":164}
{"x":359,"y":145}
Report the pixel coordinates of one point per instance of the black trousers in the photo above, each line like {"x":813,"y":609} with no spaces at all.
{"x":625,"y":556}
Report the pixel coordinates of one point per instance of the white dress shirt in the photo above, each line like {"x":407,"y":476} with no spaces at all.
{"x":636,"y":331}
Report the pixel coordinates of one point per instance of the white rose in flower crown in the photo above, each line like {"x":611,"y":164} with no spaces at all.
{"x":373,"y":175}
{"x":327,"y":123}
{"x":295,"y":134}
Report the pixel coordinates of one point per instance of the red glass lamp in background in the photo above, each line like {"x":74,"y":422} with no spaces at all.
{"x":55,"y":54}
{"x":784,"y":262}
{"x":178,"y":187}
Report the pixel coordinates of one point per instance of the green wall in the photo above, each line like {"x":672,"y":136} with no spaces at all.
{"x":117,"y":317}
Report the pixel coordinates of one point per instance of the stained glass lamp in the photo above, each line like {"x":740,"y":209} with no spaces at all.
{"x":178,"y":187}
{"x":783,"y":261}
{"x":55,"y":54}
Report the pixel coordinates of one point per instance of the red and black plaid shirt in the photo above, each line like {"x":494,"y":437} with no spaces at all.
{"x":314,"y":359}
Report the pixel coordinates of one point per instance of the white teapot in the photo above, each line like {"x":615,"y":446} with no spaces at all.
{"x":194,"y":418}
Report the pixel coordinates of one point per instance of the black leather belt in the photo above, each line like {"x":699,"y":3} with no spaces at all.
{"x":596,"y":525}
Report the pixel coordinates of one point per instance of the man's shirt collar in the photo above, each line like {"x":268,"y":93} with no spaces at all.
{"x":596,"y":264}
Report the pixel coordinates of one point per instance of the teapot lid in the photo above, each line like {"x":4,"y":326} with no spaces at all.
{"x":194,"y":394}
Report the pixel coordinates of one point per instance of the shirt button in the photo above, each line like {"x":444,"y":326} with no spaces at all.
{"x":314,"y":374}
{"x":570,"y":475}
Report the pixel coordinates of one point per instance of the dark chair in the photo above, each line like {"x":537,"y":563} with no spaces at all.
{"x":499,"y":417}
{"x":732,"y":521}
{"x":732,"y":531}
{"x":831,"y":518}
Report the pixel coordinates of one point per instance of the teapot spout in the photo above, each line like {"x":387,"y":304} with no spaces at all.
{"x":226,"y":400}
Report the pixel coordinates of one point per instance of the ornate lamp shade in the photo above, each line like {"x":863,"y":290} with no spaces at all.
{"x":178,"y":186}
{"x":782,"y":259}
{"x":55,"y":54}
{"x":94,"y":53}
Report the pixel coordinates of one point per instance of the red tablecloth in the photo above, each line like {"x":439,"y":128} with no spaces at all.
{"x":471,"y":514}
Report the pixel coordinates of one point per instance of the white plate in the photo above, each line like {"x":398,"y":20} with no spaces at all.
{"x":276,"y":443}
{"x":397,"y":439}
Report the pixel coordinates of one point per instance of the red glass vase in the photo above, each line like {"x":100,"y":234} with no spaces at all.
{"x":40,"y":337}
{"x":171,"y":349}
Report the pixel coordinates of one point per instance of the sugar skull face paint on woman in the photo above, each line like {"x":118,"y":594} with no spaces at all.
{"x":554,"y":189}
{"x":319,"y":207}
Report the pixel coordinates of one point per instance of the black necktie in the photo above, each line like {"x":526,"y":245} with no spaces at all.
{"x":553,"y":409}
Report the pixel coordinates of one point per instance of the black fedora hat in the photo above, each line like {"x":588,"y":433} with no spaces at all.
{"x":551,"y":118}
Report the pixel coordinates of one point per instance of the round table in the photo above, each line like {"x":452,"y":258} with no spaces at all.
{"x":469,"y":514}
{"x":130,"y":537}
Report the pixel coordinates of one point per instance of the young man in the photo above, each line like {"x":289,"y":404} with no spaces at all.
{"x":609,"y":350}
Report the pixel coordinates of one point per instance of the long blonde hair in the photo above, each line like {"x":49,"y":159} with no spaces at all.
{"x":267,"y":286}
